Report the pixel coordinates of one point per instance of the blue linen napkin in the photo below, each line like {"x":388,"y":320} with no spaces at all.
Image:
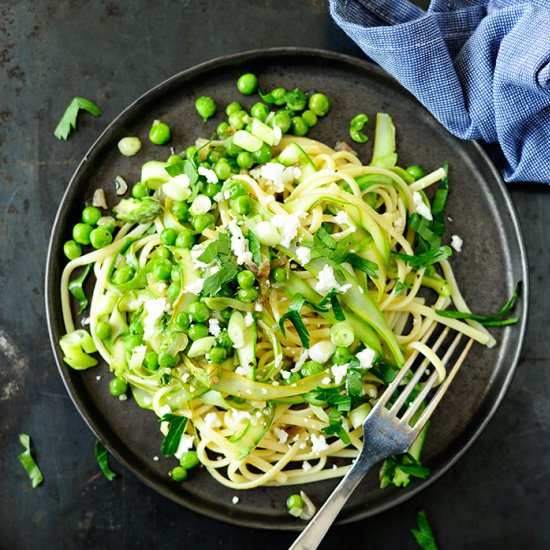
{"x":482,"y":67}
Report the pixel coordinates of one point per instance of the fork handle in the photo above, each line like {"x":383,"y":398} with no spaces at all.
{"x":313,"y":534}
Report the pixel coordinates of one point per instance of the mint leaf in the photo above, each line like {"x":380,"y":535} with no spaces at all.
{"x":172,"y":440}
{"x":68,"y":120}
{"x":423,"y":534}
{"x":427,"y":258}
{"x":102,"y":457}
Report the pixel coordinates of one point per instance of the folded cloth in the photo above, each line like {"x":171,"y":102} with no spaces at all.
{"x":482,"y":67}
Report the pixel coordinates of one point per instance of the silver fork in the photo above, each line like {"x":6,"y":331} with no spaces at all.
{"x":386,"y":432}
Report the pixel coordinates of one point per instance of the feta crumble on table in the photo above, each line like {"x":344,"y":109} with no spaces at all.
{"x":235,"y":500}
{"x":456,"y":243}
{"x":421,"y":208}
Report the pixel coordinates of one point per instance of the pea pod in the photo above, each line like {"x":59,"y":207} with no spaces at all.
{"x":357,"y":124}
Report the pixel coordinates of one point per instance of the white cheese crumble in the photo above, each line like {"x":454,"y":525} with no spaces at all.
{"x":366,"y":357}
{"x":318,"y":444}
{"x":248,"y":319}
{"x":339,"y":372}
{"x":186,"y":444}
{"x":240,"y":416}
{"x":239,"y":244}
{"x":218,"y":196}
{"x":303,"y":253}
{"x":235,"y":500}
{"x":421,"y":208}
{"x":195,"y":287}
{"x":326,"y":381}
{"x":301,"y":360}
{"x":278,"y":135}
{"x":258,"y":307}
{"x":137,"y":357}
{"x":279,"y":175}
{"x":285,"y":374}
{"x":326,"y":280}
{"x":85,"y":321}
{"x":177,"y":188}
{"x":201,"y":205}
{"x":212,"y":420}
{"x":343,"y":219}
{"x":154,"y":310}
{"x":214,"y":327}
{"x":243,"y":371}
{"x":321,"y":351}
{"x":288,"y":227}
{"x":156,"y":458}
{"x":281,"y":435}
{"x":457,"y":242}
{"x":210,"y":175}
{"x":306,"y":466}
{"x":98,"y":377}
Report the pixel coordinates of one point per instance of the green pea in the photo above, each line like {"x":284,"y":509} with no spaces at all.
{"x":190,"y":152}
{"x":212,"y":189}
{"x":296,"y":100}
{"x":161,"y":269}
{"x":91,"y":215}
{"x":151,"y":361}
{"x":294,"y":502}
{"x":299,"y":126}
{"x":278,"y":95}
{"x":168,"y":236}
{"x":117,"y":387}
{"x":132,"y":341}
{"x":217,"y":354}
{"x":185,"y":239}
{"x":198,"y":312}
{"x":222,"y":169}
{"x":202,"y":221}
{"x":140,"y":190}
{"x":233,"y":108}
{"x":282,"y":120}
{"x":234,"y":189}
{"x":178,"y":474}
{"x":197,"y":331}
{"x":103,"y":330}
{"x":319,"y":104}
{"x":246,"y":279}
{"x":189,"y":460}
{"x":173,"y":291}
{"x":182,"y":320}
{"x":176,"y":274}
{"x":238,"y":119}
{"x":260,"y":111}
{"x":310,"y":117}
{"x":123,"y":275}
{"x":310,"y":368}
{"x":81,"y":233}
{"x":160,"y":133}
{"x":173,"y":159}
{"x":108,"y":222}
{"x":72,"y":250}
{"x":245,"y":160}
{"x":341,"y":355}
{"x":223,"y":130}
{"x":263,"y":154}
{"x":100,"y":237}
{"x":180,"y":209}
{"x":248,"y":294}
{"x":279,"y":274}
{"x":241,"y":205}
{"x":163,"y":252}
{"x":129,"y":146}
{"x":214,"y":155}
{"x":247,"y":83}
{"x":231,"y":149}
{"x":206,"y":107}
{"x":415,"y":171}
{"x":167,"y":360}
{"x":224,"y":340}
{"x":293,"y":378}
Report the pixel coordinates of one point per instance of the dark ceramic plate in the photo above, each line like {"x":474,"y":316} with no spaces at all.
{"x":479,"y":210}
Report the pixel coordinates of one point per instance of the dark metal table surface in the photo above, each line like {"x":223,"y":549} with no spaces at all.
{"x":497,"y":496}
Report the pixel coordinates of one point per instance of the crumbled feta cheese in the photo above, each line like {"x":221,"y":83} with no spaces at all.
{"x":98,"y":377}
{"x":302,"y":445}
{"x":339,"y":372}
{"x":185,"y":377}
{"x":165,"y":409}
{"x":156,"y":458}
{"x":421,"y":208}
{"x":210,"y":175}
{"x":326,"y":381}
{"x":303,"y":253}
{"x":301,"y":360}
{"x":177,"y":188}
{"x":258,"y":307}
{"x":235,"y":500}
{"x":195,"y":287}
{"x":248,"y":319}
{"x":243,"y":371}
{"x":153,"y":311}
{"x":457,"y":242}
{"x":218,"y":196}
{"x":201,"y":205}
{"x":342,"y":219}
{"x":306,"y":466}
{"x":318,"y":444}
{"x":398,"y":224}
{"x":122,"y":397}
{"x":366,"y":357}
{"x":281,"y":435}
{"x":137,"y":357}
{"x":327,"y":282}
{"x":212,"y":420}
{"x":186,"y":444}
{"x":240,"y":416}
{"x":214,"y":327}
{"x":285,"y":374}
{"x":278,"y":175}
{"x":239,"y":244}
{"x":85,"y":321}
{"x":267,"y":233}
{"x":321,"y":351}
{"x":288,"y":227}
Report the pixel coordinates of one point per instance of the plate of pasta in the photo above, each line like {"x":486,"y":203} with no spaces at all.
{"x":243,"y":262}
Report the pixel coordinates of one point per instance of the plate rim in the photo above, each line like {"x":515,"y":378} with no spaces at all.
{"x":50,"y":285}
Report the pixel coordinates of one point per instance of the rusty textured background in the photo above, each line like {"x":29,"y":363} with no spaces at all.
{"x":498,"y":495}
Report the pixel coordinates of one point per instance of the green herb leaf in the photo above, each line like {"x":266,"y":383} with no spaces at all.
{"x":427,"y":258}
{"x":172,"y":440}
{"x":295,"y":318}
{"x":68,"y":120}
{"x":336,"y":427}
{"x":362,"y":264}
{"x":213,"y":284}
{"x":487,"y":320}
{"x":216,"y":249}
{"x":354,"y":382}
{"x":423,"y":534}
{"x":254,"y":246}
{"x":75,"y":288}
{"x":102,"y":457}
{"x":187,"y":167}
{"x":28,"y":462}
{"x":336,"y":307}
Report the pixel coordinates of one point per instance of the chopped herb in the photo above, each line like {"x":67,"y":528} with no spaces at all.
{"x":362,"y":264}
{"x":75,"y":288}
{"x":102,"y":457}
{"x":423,"y":534}
{"x":295,"y":318}
{"x":220,"y":247}
{"x":354,"y":382}
{"x":336,"y":307}
{"x":336,"y":427}
{"x":397,"y":470}
{"x":215,"y":282}
{"x":172,"y":440}
{"x":28,"y":462}
{"x":385,"y":372}
{"x":68,"y":120}
{"x":400,"y":287}
{"x":487,"y":320}
{"x":187,"y":167}
{"x":254,"y":247}
{"x":427,"y":258}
